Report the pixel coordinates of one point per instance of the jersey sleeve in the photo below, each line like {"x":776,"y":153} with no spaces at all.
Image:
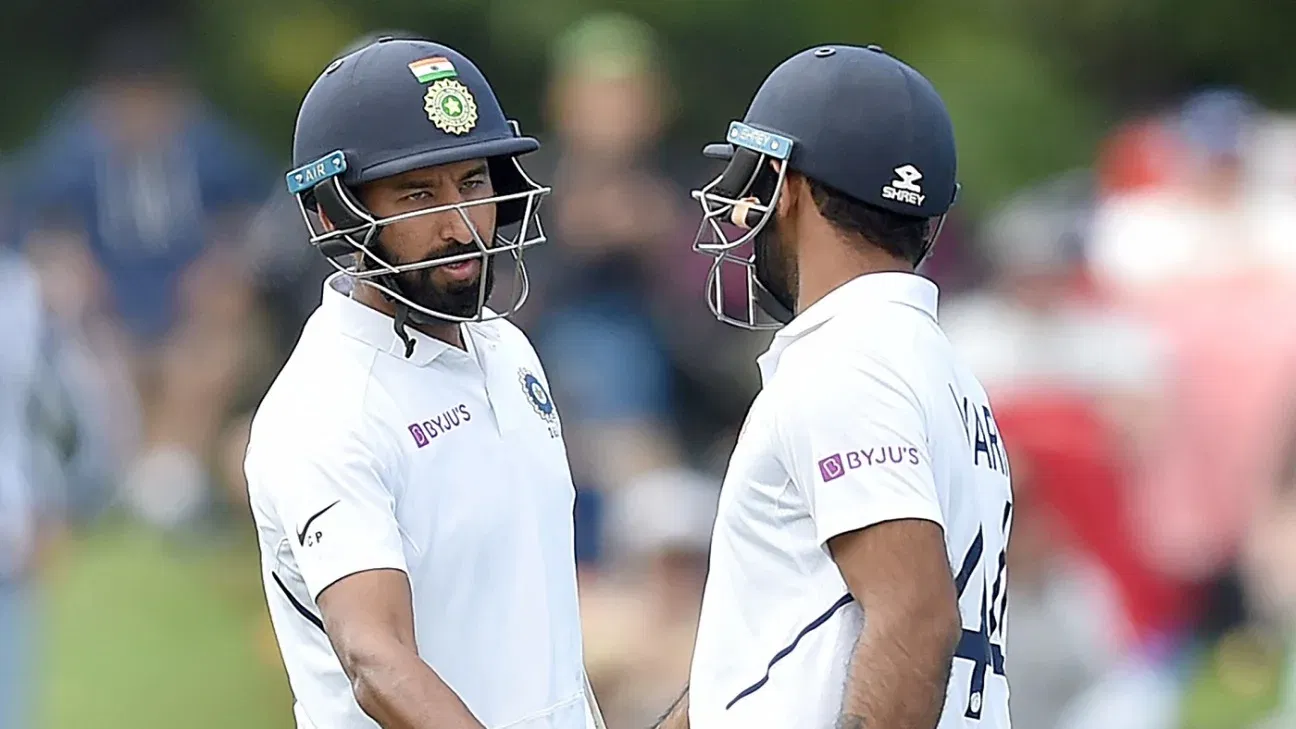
{"x":336,"y":506}
{"x":853,"y":439}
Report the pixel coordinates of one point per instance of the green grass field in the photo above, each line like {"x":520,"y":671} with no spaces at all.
{"x":144,"y":633}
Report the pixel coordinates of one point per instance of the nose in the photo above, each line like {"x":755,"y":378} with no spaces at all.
{"x":456,"y":227}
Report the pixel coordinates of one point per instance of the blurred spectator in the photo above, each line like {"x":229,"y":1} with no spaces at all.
{"x":52,"y":466}
{"x":1036,"y":324}
{"x":610,"y":214}
{"x":287,"y":272}
{"x":1198,"y":216}
{"x":618,"y":316}
{"x":641,"y":622}
{"x":1136,"y":157}
{"x":1067,"y":621}
{"x":130,"y":204}
{"x":1070,"y":377}
{"x":1240,"y":675}
{"x":21,"y":321}
{"x":1201,"y":257}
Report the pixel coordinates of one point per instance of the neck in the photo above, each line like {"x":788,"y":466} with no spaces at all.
{"x":448,"y":332}
{"x":837,"y":263}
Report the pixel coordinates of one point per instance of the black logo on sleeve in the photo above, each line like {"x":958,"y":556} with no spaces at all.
{"x":301,"y":536}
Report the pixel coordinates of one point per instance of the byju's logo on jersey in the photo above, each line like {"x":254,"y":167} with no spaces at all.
{"x":831,"y":467}
{"x":425,"y":431}
{"x":540,"y":400}
{"x":835,"y":466}
{"x":905,"y":188}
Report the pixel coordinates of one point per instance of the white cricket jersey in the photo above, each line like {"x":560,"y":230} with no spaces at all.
{"x":449,"y":466}
{"x":865,"y":416}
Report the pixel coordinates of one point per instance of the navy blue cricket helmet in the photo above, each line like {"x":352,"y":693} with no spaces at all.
{"x":853,"y":118}
{"x":396,"y":105}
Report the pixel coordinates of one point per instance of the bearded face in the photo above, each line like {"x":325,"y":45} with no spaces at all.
{"x":775,"y":262}
{"x":452,"y":290}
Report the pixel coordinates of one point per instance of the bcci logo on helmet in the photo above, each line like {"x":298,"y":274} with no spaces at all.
{"x":450,"y":106}
{"x":905,"y":188}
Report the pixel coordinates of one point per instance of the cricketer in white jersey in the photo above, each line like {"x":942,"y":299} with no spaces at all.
{"x":865,"y":417}
{"x":857,"y":575}
{"x":407,"y":470}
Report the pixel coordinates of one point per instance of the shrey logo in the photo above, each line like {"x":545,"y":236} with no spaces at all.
{"x":831,"y":467}
{"x":907,"y":178}
{"x":905,"y":188}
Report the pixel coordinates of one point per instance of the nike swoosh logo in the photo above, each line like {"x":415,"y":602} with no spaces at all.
{"x":301,"y":536}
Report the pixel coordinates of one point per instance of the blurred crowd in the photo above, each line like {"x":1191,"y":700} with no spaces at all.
{"x":1129,"y":321}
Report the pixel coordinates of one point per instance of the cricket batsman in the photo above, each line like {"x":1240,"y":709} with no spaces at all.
{"x":407,"y":470}
{"x":857,"y":574}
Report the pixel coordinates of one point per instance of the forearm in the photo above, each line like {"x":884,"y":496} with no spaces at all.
{"x":898,"y":675}
{"x":677,"y":716}
{"x":400,"y":691}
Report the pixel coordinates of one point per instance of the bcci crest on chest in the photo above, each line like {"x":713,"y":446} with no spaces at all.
{"x":540,"y":401}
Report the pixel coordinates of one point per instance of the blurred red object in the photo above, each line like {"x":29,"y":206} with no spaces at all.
{"x":1070,"y":454}
{"x":1139,"y":155}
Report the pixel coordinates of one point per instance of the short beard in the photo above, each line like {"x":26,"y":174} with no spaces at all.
{"x":461,"y":300}
{"x":776,"y":265}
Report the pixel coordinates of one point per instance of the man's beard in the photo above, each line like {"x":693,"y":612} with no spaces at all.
{"x":458,"y":299}
{"x":776,"y":269}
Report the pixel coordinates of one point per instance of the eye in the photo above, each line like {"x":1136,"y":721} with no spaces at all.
{"x":475,"y":183}
{"x":417,"y":196}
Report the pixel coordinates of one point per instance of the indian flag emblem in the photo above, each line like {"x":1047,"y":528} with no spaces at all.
{"x":432,"y":69}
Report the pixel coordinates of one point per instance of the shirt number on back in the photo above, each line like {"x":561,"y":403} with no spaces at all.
{"x":979,"y":646}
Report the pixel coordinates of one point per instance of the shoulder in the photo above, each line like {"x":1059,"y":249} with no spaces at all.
{"x":861,"y":373}
{"x":846,"y":353}
{"x":513,"y":343}
{"x":807,"y":385}
{"x":322,"y":405}
{"x":505,"y":332}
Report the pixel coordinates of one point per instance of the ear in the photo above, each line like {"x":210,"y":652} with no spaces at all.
{"x":793,"y":185}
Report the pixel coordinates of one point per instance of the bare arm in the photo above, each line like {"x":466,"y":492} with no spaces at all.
{"x":677,"y":716}
{"x":370,"y":622}
{"x":899,"y":573}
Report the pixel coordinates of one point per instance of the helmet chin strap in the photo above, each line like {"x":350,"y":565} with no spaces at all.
{"x":399,"y":323}
{"x":404,"y":315}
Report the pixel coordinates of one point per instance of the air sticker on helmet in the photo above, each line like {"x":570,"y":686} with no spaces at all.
{"x":451,"y":107}
{"x":427,"y":70}
{"x":310,"y":175}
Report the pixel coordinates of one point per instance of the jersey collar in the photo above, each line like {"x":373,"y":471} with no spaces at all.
{"x":854,"y":298}
{"x":373,"y":327}
{"x":888,"y":287}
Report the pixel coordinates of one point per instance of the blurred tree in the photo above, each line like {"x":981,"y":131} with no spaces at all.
{"x":1031,"y":83}
{"x":1136,"y":54}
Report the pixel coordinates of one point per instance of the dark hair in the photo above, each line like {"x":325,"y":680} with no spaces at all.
{"x":903,"y":236}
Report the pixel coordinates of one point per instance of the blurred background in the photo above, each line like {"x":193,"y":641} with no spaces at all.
{"x":1120,"y":273}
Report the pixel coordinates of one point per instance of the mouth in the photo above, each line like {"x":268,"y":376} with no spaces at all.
{"x":463,"y":270}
